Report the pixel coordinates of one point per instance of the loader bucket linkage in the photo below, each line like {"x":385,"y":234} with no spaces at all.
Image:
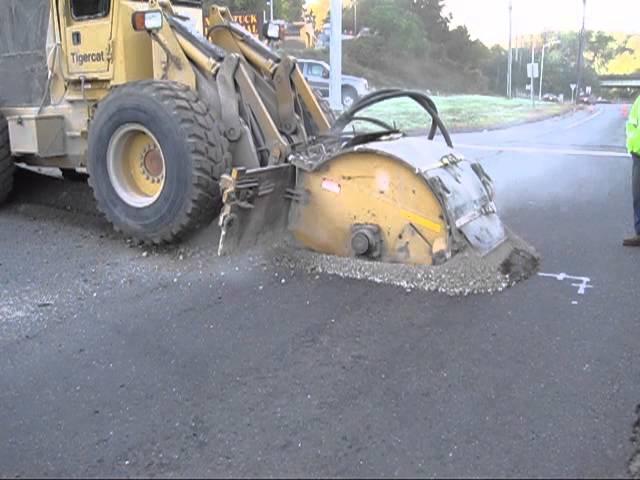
{"x":383,"y":194}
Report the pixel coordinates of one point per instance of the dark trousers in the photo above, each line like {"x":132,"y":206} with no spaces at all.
{"x":635,"y":178}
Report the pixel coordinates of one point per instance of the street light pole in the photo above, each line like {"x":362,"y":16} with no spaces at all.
{"x":553,"y":42}
{"x":510,"y":66}
{"x":335,"y":56}
{"x":355,"y":17}
{"x":541,"y":71}
{"x":271,"y":10}
{"x":533,"y":59}
{"x":581,"y":48}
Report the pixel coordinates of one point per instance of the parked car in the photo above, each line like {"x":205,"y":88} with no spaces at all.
{"x":602,"y":100}
{"x":587,"y":99}
{"x":317,"y":74}
{"x":550,"y":97}
{"x":364,"y":32}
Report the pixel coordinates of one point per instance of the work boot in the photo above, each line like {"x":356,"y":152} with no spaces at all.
{"x":632,"y":241}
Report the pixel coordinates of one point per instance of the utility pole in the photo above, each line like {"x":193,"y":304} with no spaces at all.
{"x":355,"y":17}
{"x":541,"y":71}
{"x":553,"y":42}
{"x":581,"y":48}
{"x":510,"y":67}
{"x":335,"y":56}
{"x":271,"y":10}
{"x":533,"y":59}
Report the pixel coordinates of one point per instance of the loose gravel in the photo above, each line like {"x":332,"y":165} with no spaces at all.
{"x":465,"y":274}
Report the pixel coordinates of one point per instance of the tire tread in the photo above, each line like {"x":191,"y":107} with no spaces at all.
{"x":207,"y":149}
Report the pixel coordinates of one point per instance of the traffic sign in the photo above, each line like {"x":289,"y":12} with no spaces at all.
{"x":573,"y":86}
{"x":532,"y":68}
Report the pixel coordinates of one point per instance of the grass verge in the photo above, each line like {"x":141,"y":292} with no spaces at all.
{"x":465,"y":112}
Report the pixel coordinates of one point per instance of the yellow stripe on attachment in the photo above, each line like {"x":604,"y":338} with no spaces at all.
{"x":423,"y":222}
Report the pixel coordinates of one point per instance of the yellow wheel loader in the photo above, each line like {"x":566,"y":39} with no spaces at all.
{"x":176,"y":124}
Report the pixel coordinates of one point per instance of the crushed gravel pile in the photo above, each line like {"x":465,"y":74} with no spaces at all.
{"x":465,"y":274}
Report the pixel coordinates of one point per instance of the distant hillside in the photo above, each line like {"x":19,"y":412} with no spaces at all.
{"x":627,"y":62}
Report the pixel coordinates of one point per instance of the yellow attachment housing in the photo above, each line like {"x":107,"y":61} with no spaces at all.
{"x":374,"y":192}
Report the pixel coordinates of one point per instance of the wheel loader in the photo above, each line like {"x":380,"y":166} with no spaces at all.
{"x":177,"y":125}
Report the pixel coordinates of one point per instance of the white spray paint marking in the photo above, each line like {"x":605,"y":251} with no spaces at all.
{"x":545,"y":151}
{"x":10,"y":312}
{"x":582,"y":282}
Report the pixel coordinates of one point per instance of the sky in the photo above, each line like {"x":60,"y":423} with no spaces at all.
{"x":488,"y":20}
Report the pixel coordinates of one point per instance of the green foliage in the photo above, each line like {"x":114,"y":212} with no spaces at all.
{"x":560,"y":64}
{"x":290,"y":10}
{"x":415,"y":45}
{"x":401,"y":33}
{"x":430,"y":14}
{"x":602,"y":48}
{"x":239,"y":5}
{"x":628,"y":62}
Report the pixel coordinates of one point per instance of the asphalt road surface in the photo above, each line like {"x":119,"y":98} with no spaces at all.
{"x":116,"y":360}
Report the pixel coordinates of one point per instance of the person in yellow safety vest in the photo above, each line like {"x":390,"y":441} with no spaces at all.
{"x":633,"y":145}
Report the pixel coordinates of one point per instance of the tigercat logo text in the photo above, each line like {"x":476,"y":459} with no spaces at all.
{"x":82,"y":58}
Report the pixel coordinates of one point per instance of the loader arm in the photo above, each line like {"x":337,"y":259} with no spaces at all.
{"x":385,"y":195}
{"x":279,"y":102}
{"x":231,"y":74}
{"x":283,"y":71}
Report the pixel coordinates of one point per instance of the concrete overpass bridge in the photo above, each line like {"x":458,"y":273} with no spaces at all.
{"x":620,"y":81}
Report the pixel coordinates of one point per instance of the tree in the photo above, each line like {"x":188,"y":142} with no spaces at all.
{"x":430,"y":14}
{"x":239,"y":5}
{"x":602,"y":48}
{"x":348,"y":18}
{"x":327,"y":18}
{"x":494,"y":66}
{"x":402,"y":33}
{"x":290,"y":10}
{"x":560,"y":65}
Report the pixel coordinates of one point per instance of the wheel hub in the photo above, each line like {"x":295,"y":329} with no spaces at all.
{"x":152,"y":164}
{"x":136,"y":165}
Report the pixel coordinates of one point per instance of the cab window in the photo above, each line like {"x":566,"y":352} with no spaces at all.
{"x":316,"y":69}
{"x":86,"y":9}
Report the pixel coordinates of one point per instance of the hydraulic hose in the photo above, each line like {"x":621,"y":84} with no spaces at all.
{"x":387,"y":94}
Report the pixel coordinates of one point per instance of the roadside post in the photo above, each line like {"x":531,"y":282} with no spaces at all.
{"x":573,"y":90}
{"x":335,"y":54}
{"x":510,"y":61}
{"x":549,"y":44}
{"x":532,"y":72}
{"x":270,"y":3}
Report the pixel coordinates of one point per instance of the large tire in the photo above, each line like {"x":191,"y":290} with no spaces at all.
{"x":193,"y":156}
{"x":7,"y":167}
{"x":349,"y":97}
